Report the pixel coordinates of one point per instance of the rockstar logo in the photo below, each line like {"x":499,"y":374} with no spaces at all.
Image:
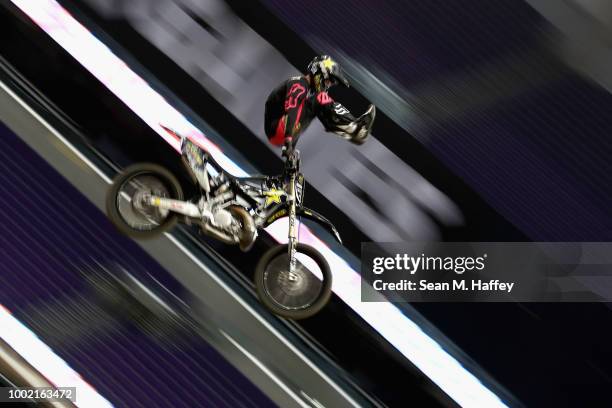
{"x":328,"y":63}
{"x":273,"y":196}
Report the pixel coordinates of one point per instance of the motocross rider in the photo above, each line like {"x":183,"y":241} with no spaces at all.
{"x":291,"y":107}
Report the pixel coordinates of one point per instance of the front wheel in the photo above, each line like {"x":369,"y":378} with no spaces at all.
{"x":126,"y":200}
{"x":294,"y":295}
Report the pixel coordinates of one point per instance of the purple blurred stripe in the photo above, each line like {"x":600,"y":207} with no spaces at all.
{"x":414,"y":41}
{"x":541,"y":159}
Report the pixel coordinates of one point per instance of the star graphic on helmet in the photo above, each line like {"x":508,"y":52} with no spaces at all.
{"x":328,"y":63}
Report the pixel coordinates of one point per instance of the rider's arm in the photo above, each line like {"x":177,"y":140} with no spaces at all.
{"x":289,"y":124}
{"x":337,"y":119}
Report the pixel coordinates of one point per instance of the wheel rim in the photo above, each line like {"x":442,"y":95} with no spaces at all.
{"x":130,"y":201}
{"x":293,"y":291}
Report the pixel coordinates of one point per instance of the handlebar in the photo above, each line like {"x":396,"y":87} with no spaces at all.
{"x":288,"y":146}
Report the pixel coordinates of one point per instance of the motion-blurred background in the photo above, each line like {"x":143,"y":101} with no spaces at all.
{"x":494,"y":122}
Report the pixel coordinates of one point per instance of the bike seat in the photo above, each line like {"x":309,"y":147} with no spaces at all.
{"x":253,"y":177}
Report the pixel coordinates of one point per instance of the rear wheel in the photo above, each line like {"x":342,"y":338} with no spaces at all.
{"x":126,"y":200}
{"x":298,"y":294}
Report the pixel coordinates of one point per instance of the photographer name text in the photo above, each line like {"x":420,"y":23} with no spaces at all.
{"x":423,"y":285}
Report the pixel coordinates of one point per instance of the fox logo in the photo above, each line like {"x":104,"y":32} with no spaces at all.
{"x":340,"y":110}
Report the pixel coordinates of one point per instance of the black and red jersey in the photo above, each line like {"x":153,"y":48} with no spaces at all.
{"x":291,"y":107}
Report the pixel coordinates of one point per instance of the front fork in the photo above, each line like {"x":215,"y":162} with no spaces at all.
{"x":292,"y":225}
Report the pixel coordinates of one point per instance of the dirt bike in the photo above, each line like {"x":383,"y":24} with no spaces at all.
{"x":292,"y":280}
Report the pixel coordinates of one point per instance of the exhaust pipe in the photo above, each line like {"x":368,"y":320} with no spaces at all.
{"x":247,"y":236}
{"x":249,"y":231}
{"x":218,"y":234}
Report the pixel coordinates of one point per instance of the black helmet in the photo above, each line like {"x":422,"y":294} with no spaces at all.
{"x":326,"y":72}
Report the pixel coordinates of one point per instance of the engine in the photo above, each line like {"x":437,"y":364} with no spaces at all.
{"x":222,"y":218}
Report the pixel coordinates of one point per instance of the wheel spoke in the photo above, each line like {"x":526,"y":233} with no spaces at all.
{"x":292,"y":290}
{"x":136,"y":214}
